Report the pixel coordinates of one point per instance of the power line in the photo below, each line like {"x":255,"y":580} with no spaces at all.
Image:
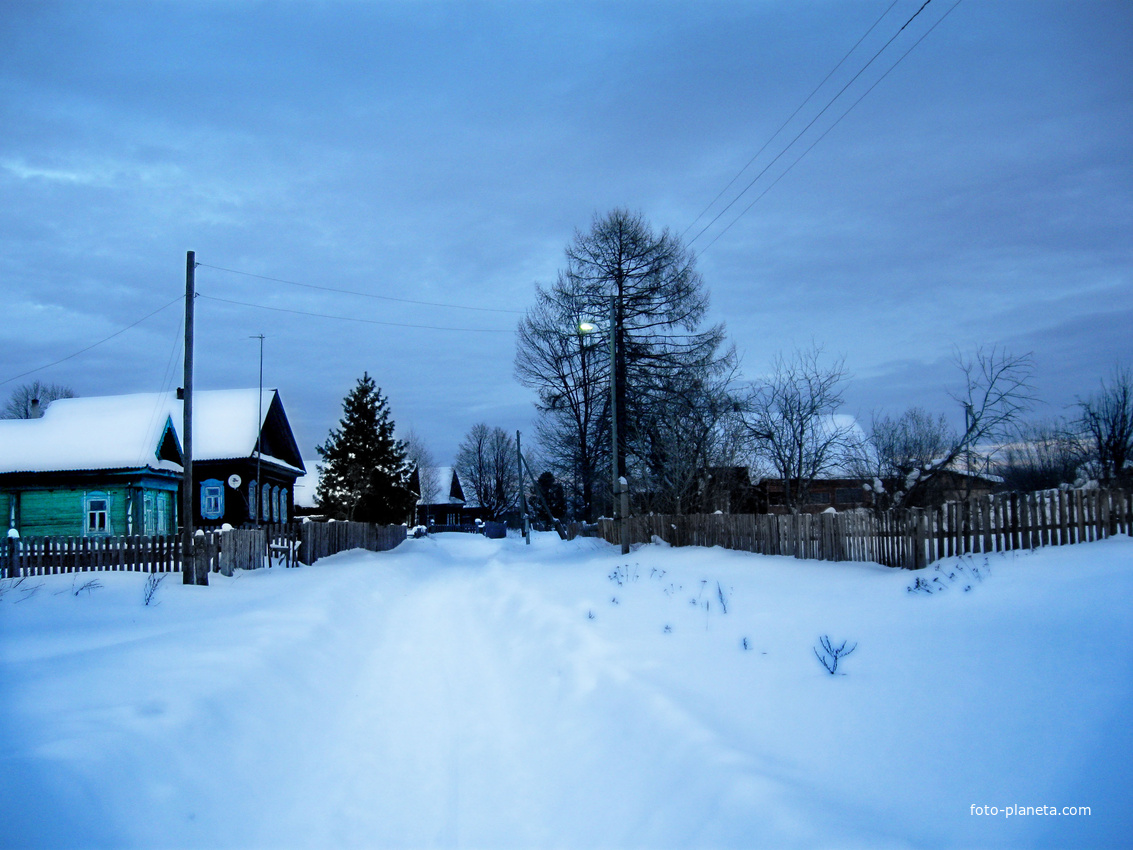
{"x":832,"y":126}
{"x":363,"y":294}
{"x":92,"y":345}
{"x":790,"y":118}
{"x":352,"y":318}
{"x":821,"y":112}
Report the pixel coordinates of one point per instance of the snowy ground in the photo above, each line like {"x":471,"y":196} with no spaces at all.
{"x":467,"y":692}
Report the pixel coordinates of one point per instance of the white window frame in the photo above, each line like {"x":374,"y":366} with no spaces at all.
{"x":212,"y":499}
{"x":92,"y":527}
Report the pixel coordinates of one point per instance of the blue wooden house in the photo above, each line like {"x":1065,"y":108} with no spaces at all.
{"x":112,"y":465}
{"x":91,"y":467}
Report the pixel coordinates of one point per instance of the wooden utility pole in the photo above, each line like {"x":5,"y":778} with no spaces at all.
{"x":256,"y":500}
{"x":619,"y":490}
{"x":191,"y":567}
{"x":522,"y":497}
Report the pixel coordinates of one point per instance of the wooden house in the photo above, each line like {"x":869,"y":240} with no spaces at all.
{"x":822,"y":494}
{"x":727,"y":489}
{"x":91,"y":467}
{"x":113,"y":465}
{"x":442,"y":502}
{"x":234,"y":484}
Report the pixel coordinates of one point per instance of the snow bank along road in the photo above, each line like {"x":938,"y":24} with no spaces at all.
{"x":465,"y":692}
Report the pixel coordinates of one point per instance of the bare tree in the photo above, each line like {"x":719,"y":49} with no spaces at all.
{"x":789,"y":419}
{"x":898,"y":449}
{"x":486,"y":463}
{"x":687,"y":431}
{"x":1106,"y":420}
{"x":570,"y":373}
{"x":646,"y":289}
{"x":32,"y":399}
{"x":418,"y":456}
{"x":1046,"y":455}
{"x":997,"y":393}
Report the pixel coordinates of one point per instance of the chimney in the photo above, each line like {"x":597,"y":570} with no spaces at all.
{"x":36,"y":410}
{"x":180,"y":393}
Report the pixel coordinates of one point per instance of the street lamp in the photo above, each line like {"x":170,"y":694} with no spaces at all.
{"x":620,"y":487}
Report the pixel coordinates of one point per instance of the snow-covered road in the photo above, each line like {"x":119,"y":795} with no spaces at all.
{"x":465,"y":692}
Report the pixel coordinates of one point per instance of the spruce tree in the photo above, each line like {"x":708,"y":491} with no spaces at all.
{"x":364,"y":473}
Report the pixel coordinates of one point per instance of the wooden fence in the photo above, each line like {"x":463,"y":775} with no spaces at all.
{"x":910,"y":539}
{"x":320,"y":539}
{"x":37,"y":556}
{"x":227,"y":550}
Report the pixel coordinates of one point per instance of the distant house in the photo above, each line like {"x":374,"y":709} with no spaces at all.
{"x":842,"y":494}
{"x":946,"y":485}
{"x":112,"y":465}
{"x":728,"y":490}
{"x":443,"y":502}
{"x":306,"y":489}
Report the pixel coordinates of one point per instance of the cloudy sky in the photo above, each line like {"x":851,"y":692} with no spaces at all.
{"x":427,"y":154}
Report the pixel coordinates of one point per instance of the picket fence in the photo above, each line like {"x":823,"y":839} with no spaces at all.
{"x":911,"y":539}
{"x":225,"y":551}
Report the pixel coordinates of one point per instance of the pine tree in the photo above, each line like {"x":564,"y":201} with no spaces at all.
{"x":364,"y":473}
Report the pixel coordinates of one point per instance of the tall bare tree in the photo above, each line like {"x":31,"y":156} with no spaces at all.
{"x":487,"y":465}
{"x":1106,"y":420}
{"x":20,"y":403}
{"x":644,"y":286}
{"x":791,"y":425}
{"x":569,"y":371}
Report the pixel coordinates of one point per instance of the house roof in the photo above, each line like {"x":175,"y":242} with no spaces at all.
{"x":227,"y":422}
{"x":129,"y":431}
{"x":447,"y":486}
{"x":122,"y":432}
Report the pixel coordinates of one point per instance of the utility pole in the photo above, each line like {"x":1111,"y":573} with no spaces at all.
{"x":191,"y":572}
{"x":522,"y":497}
{"x":620,"y":487}
{"x":257,"y":502}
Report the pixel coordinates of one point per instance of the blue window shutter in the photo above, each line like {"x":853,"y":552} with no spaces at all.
{"x":212,"y":499}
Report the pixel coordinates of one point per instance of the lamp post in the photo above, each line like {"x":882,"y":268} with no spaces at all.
{"x":619,"y":485}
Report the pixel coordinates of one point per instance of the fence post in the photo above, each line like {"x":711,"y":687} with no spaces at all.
{"x":13,"y":546}
{"x":921,"y":534}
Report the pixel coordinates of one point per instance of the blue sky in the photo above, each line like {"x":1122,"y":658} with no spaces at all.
{"x":981,"y":194}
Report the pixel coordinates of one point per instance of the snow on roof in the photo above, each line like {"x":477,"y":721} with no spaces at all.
{"x":226,"y":423}
{"x":112,"y":432}
{"x":307,"y":485}
{"x":442,"y":479}
{"x":119,"y":432}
